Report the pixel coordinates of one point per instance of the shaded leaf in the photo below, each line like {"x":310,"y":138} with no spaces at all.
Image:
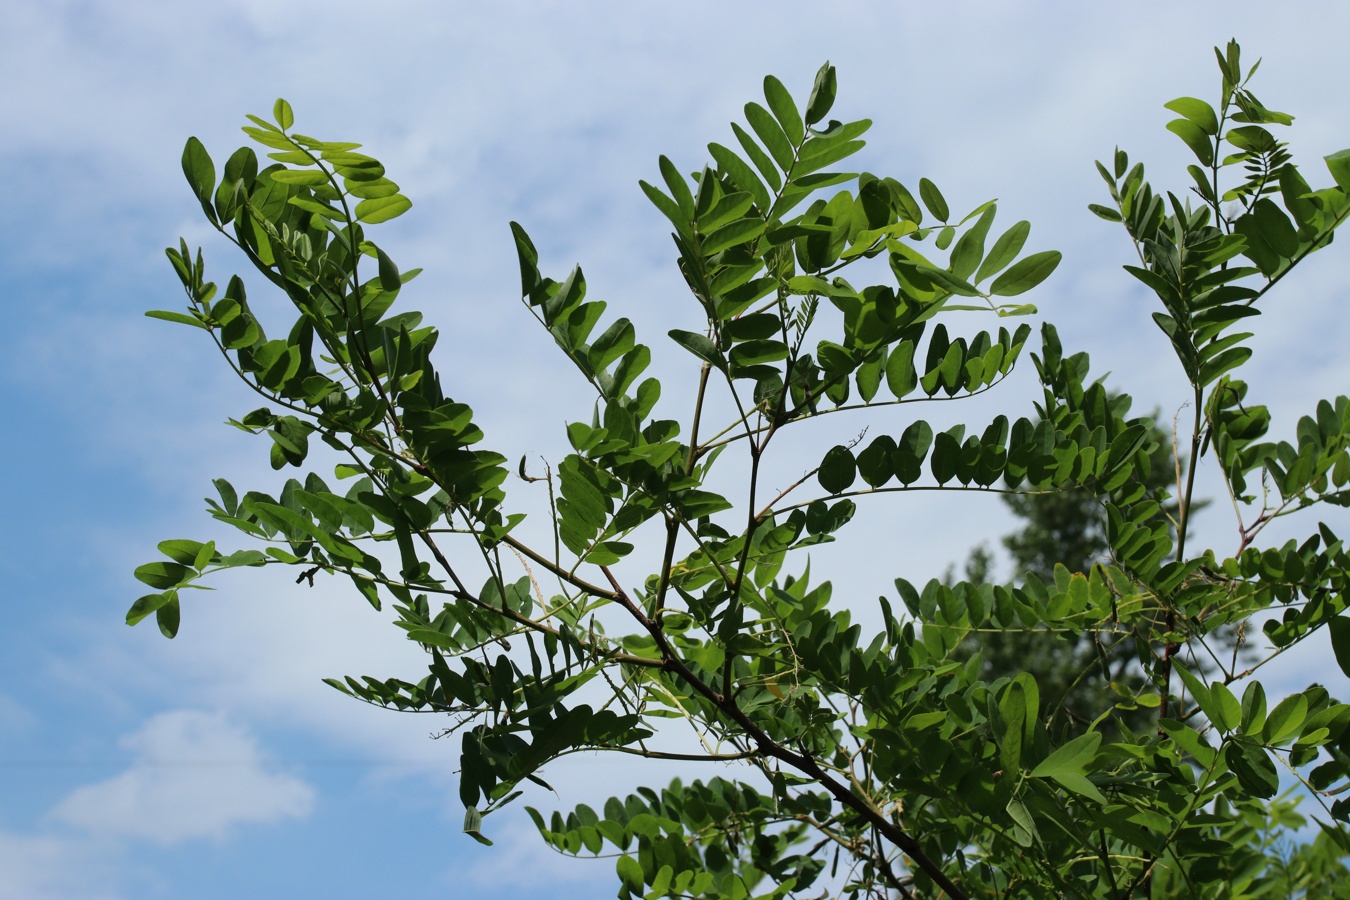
{"x":822,"y":94}
{"x":838,"y":470}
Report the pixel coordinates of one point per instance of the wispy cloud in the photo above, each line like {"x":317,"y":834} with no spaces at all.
{"x":195,"y":775}
{"x":55,"y":868}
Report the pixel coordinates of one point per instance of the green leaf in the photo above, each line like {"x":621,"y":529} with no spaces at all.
{"x":1225,"y":362}
{"x":1080,"y":785}
{"x":204,"y":555}
{"x":1276,"y":228}
{"x":183,"y":551}
{"x":294,"y":157}
{"x":661,"y":883}
{"x":874,"y":463}
{"x":182,"y":318}
{"x":784,"y":110}
{"x":869,"y":377}
{"x":1198,"y":691}
{"x":201,"y":175}
{"x":164,"y":575}
{"x":1190,"y":740}
{"x":240,"y":332}
{"x":838,"y":470}
{"x":1227,"y":706}
{"x":907,"y":460}
{"x":753,"y":327}
{"x":1012,"y":709}
{"x":1253,"y":708}
{"x":949,"y":282}
{"x":630,"y":872}
{"x":697,"y":504}
{"x":325,"y":510}
{"x":668,"y":207}
{"x":1004,"y":251}
{"x":771,"y":133}
{"x":1071,"y":757}
{"x":1285,"y":720}
{"x":617,"y":340}
{"x":732,"y":234}
{"x":281,"y":113}
{"x":700,"y":345}
{"x":370,"y":190}
{"x":1197,"y":111}
{"x":731,"y":206}
{"x":269,"y":135}
{"x":1200,"y":143}
{"x":933,"y":199}
{"x":1024,"y":826}
{"x":1253,"y":768}
{"x":742,"y":174}
{"x":822,"y":94}
{"x":901,"y":376}
{"x":321,"y":209}
{"x":758,"y":157}
{"x":144,"y":606}
{"x":167,"y":617}
{"x":969,"y":249}
{"x":678,"y":186}
{"x":432,"y":638}
{"x":819,"y":153}
{"x":1338,"y":164}
{"x":1340,"y":641}
{"x":946,"y":457}
{"x":757,"y":352}
{"x":833,"y":358}
{"x":1026,"y":273}
{"x":307,"y":177}
{"x":382,"y":209}
{"x":389,"y":278}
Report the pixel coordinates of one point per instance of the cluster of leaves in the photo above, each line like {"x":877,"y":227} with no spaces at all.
{"x":891,"y":751}
{"x":1077,"y":672}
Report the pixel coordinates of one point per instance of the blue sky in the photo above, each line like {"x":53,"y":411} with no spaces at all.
{"x":218,"y":765}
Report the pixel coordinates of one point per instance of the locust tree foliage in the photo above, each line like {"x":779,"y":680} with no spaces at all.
{"x":870,"y":764}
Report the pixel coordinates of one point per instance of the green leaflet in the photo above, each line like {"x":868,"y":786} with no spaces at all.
{"x":933,"y":199}
{"x":382,"y":209}
{"x":1026,"y":273}
{"x":838,"y":470}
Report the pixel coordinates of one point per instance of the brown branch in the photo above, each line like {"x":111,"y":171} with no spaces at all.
{"x":801,"y":761}
{"x":672,"y":522}
{"x":566,"y":575}
{"x":683,"y":757}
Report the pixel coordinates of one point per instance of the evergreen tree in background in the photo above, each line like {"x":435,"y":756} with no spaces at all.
{"x":1068,"y":529}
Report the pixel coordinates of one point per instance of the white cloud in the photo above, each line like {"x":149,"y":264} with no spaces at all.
{"x":53,"y":868}
{"x":196,"y":775}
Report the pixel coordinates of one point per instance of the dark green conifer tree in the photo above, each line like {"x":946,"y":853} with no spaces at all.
{"x":1067,"y":528}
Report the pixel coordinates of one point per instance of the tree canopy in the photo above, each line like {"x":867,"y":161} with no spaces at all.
{"x":872,"y":764}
